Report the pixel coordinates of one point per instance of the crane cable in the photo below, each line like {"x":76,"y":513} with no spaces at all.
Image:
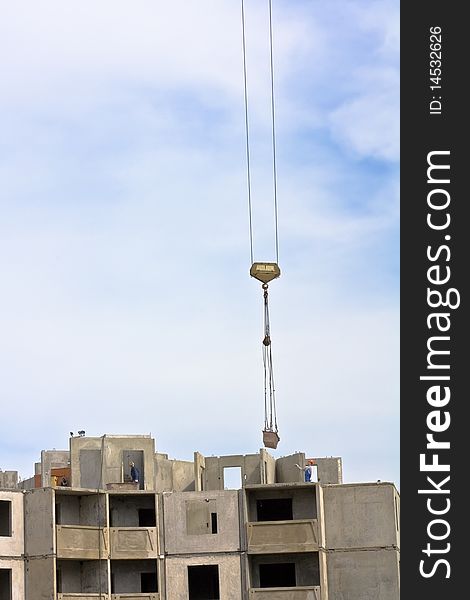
{"x":273,"y":129}
{"x":270,"y":416}
{"x":273,"y":133}
{"x":247,"y":136}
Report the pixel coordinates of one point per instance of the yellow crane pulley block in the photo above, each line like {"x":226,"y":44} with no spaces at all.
{"x":264,"y":271}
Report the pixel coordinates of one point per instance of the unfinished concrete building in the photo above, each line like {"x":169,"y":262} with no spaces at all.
{"x":11,"y":545}
{"x":179,"y":533}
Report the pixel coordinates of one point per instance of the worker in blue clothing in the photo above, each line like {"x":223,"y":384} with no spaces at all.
{"x":135,"y":475}
{"x":308,"y":470}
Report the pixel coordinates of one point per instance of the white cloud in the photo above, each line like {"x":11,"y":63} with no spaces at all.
{"x":125,"y":234}
{"x":369,"y":124}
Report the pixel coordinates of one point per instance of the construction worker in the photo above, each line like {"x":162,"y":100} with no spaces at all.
{"x":308,"y":470}
{"x":135,"y":475}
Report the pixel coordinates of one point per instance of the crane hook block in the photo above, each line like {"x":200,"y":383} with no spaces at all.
{"x":265,"y":272}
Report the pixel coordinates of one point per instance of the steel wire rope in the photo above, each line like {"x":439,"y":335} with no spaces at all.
{"x":273,"y":130}
{"x":267,"y":351}
{"x":247,"y":131}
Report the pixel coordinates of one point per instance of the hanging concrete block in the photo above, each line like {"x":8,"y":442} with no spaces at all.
{"x":270,"y":439}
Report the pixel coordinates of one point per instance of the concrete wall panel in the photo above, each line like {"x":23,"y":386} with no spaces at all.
{"x":115,"y":466}
{"x":90,"y":468}
{"x":17,"y":577}
{"x":360,"y":516}
{"x":13,"y":545}
{"x":397,"y":515}
{"x":126,"y":575}
{"x":212,"y":475}
{"x":83,"y":509}
{"x":268,"y":474}
{"x":250,"y":465}
{"x":82,"y":542}
{"x":163,"y":473}
{"x":39,"y":531}
{"x":307,"y":567}
{"x":229,"y":575}
{"x":140,"y":596}
{"x":282,"y":536}
{"x":297,"y":593}
{"x":52,"y":459}
{"x":173,"y":475}
{"x":363,"y":575}
{"x":40,"y":578}
{"x":93,"y":510}
{"x":178,"y":506}
{"x":27,"y":484}
{"x":124,"y":509}
{"x":329,"y":470}
{"x":251,"y":471}
{"x":183,"y":476}
{"x":8,"y":479}
{"x":287,"y":472}
{"x":70,"y":576}
{"x":84,"y":596}
{"x":82,"y":577}
{"x":199,"y":466}
{"x":94,"y":576}
{"x":67,"y":509}
{"x":304,"y":501}
{"x":133,"y":542}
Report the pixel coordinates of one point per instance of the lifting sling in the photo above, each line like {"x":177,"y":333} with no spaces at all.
{"x":266,"y":272}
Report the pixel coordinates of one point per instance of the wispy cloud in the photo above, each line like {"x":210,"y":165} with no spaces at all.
{"x":126,"y":304}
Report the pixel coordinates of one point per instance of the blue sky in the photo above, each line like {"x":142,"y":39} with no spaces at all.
{"x":126,"y":304}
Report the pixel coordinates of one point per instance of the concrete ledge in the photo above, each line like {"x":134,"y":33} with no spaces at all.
{"x":133,"y":542}
{"x":268,"y":537}
{"x":286,"y":593}
{"x":128,"y":485}
{"x":82,"y":542}
{"x":81,"y":596}
{"x":143,"y":596}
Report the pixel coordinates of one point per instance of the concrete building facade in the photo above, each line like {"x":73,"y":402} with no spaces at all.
{"x":83,"y":530}
{"x":11,"y":545}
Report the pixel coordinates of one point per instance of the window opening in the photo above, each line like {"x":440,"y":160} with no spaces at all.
{"x":148,"y":582}
{"x":58,"y":578}
{"x":214,"y":522}
{"x":314,"y":473}
{"x":203,"y":582}
{"x":147,"y":517}
{"x":232,"y":478}
{"x":274,"y":509}
{"x":277,"y":575}
{"x":5,"y":518}
{"x":201,"y":517}
{"x":58,"y":515}
{"x":5,"y":584}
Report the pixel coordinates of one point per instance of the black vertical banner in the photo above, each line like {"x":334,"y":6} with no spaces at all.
{"x":435,"y":250}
